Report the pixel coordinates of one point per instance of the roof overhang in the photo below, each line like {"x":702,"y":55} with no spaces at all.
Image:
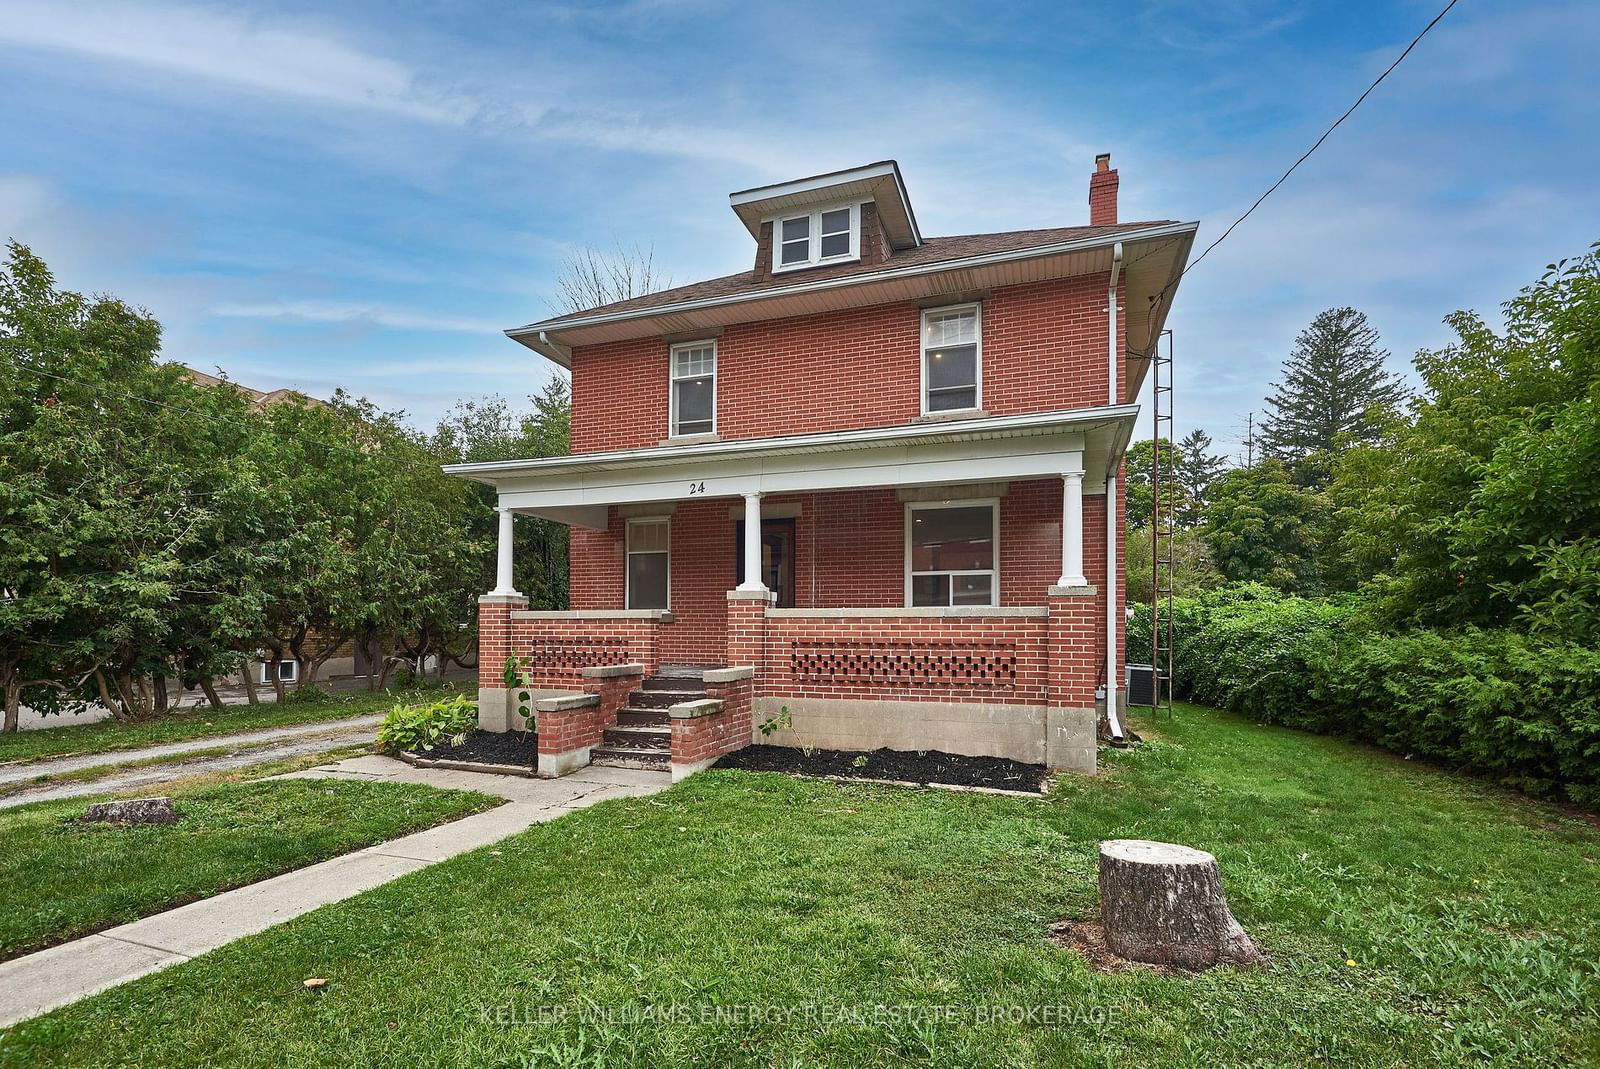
{"x":879,"y":181}
{"x":1153,"y":258}
{"x":578,"y":489}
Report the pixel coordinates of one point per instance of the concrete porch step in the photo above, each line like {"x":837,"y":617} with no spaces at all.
{"x":661,"y":699}
{"x":640,"y":736}
{"x":632,"y":716}
{"x":682,"y":671}
{"x":679,"y":683}
{"x":630,"y":757}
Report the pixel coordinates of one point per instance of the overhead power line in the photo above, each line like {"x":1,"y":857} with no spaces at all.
{"x":1307,"y":154}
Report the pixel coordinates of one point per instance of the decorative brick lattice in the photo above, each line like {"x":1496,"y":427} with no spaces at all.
{"x":576,"y":653}
{"x":939,"y":664}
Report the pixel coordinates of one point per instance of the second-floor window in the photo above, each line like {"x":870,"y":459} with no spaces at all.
{"x":694,"y":388}
{"x":952,"y":358}
{"x":816,"y":237}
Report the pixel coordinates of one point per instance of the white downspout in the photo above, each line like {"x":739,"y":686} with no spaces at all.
{"x":1112,"y":721}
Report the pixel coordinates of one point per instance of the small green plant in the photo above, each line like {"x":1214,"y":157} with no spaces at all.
{"x":781,"y":721}
{"x":310,"y":694}
{"x":860,"y":761}
{"x":513,"y":681}
{"x":419,"y":728}
{"x":784,"y":721}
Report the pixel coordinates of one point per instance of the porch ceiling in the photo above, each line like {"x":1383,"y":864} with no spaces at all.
{"x":578,"y":489}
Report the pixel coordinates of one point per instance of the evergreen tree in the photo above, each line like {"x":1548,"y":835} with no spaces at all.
{"x":1332,"y":382}
{"x":1197,"y":469}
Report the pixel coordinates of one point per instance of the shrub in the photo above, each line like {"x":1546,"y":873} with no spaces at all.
{"x":1521,"y":709}
{"x":419,"y":728}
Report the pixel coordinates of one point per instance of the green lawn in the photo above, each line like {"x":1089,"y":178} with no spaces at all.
{"x":770,"y":921}
{"x":60,"y":879}
{"x":109,"y":735}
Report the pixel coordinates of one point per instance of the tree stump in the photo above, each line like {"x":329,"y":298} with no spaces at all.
{"x":1163,"y":904}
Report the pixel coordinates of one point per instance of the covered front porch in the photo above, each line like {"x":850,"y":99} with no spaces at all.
{"x":934,"y":587}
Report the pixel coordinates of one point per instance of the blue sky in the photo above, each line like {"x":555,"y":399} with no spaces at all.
{"x":366,"y":194}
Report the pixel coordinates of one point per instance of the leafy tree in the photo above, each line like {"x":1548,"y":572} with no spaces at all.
{"x":1192,"y":570}
{"x":115,"y":504}
{"x":1140,"y":497}
{"x":1261,"y":527}
{"x":478,"y":431}
{"x":1485,"y":509}
{"x":1333,"y":384}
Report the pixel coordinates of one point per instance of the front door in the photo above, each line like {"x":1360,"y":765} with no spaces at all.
{"x":777,"y":558}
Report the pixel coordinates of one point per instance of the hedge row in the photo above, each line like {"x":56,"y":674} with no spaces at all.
{"x":1522,"y":711}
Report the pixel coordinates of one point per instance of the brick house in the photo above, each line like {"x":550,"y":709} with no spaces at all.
{"x":865,"y":480}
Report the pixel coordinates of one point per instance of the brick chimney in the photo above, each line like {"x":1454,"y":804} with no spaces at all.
{"x":1103,"y":192}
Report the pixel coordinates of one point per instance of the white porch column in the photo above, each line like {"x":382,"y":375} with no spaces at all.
{"x":1072,"y":529}
{"x":752,"y":544}
{"x":502,"y":575}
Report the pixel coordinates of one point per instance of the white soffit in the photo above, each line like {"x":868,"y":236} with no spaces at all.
{"x":1151,"y":259}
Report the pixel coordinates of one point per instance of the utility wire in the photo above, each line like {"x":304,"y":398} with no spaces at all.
{"x":1307,"y":154}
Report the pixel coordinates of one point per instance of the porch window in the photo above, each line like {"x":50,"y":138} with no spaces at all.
{"x":649,"y":563}
{"x":694,"y":388}
{"x":951,"y":553}
{"x":952,"y":358}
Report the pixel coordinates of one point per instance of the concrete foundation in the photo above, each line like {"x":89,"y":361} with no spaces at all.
{"x":497,"y":708}
{"x":1071,"y":742}
{"x":978,"y":729}
{"x":553,"y":765}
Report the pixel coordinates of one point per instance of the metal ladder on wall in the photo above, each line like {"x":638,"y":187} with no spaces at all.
{"x":1163,"y":524}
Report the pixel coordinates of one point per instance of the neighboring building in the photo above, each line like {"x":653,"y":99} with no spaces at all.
{"x":258,"y":398}
{"x":865,"y":480}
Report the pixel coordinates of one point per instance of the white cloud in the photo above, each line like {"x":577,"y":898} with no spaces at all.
{"x":355,"y":313}
{"x":197,"y":43}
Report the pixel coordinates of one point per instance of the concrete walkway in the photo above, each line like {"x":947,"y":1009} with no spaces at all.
{"x":23,"y":771}
{"x":41,"y":982}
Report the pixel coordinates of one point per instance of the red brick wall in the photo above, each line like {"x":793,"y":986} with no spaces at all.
{"x":849,"y":553}
{"x":561,"y":649}
{"x":1044,"y":348}
{"x":1014,"y":643}
{"x":494,"y":639}
{"x":701,"y":738}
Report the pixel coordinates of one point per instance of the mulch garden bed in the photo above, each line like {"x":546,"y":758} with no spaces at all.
{"x":923,"y":767}
{"x":488,"y":748}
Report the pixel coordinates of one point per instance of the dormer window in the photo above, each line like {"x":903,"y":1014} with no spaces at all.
{"x":823,"y":236}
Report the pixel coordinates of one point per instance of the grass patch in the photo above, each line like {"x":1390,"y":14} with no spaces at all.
{"x":61,"y":879}
{"x":766,"y":921}
{"x":109,"y":735}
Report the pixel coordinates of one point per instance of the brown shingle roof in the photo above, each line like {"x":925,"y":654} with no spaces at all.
{"x":932,"y":251}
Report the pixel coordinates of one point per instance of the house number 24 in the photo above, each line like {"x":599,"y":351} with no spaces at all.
{"x":697,"y":488}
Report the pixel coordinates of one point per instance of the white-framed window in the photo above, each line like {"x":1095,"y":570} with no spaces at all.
{"x":693,"y":388}
{"x":820,"y":236}
{"x":649,"y":563}
{"x":953,"y":552}
{"x":288,"y":671}
{"x":952,"y":358}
